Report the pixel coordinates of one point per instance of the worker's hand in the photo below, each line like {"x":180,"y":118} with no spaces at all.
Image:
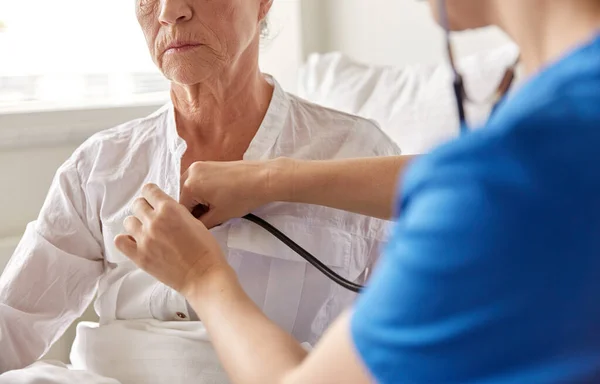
{"x":230,"y":190}
{"x":166,"y":241}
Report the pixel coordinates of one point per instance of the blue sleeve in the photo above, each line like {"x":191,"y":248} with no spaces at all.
{"x":469,"y":289}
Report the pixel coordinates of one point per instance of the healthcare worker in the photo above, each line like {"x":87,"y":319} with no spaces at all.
{"x":492,"y":274}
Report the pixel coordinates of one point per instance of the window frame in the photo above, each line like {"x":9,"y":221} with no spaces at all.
{"x":38,"y":127}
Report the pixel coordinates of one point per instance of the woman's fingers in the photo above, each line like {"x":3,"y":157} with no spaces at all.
{"x":133,"y":226}
{"x":154,"y":195}
{"x":142,"y":210}
{"x":127,"y":245}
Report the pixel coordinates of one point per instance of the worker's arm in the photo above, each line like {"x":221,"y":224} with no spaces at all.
{"x":169,"y":243}
{"x":365,"y":185}
{"x":245,"y":339}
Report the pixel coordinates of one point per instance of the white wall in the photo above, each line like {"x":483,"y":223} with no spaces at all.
{"x":388,"y":31}
{"x":315,"y":26}
{"x":26,"y":175}
{"x":281,"y":53}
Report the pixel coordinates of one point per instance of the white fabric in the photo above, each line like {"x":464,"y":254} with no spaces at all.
{"x":53,"y":372}
{"x":148,"y":351}
{"x":414,"y":105}
{"x":68,"y":254}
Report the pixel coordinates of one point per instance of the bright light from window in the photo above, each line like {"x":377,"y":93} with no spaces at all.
{"x":65,"y":53}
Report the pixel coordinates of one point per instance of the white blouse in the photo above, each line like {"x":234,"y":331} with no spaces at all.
{"x":67,"y":256}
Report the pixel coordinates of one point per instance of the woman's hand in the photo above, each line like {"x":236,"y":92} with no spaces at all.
{"x":218,"y":191}
{"x":165,"y":240}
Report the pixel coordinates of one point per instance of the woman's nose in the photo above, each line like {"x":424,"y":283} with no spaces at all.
{"x":174,"y":12}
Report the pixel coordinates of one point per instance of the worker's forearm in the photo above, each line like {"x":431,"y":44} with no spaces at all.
{"x":242,"y":335}
{"x":366,"y":185}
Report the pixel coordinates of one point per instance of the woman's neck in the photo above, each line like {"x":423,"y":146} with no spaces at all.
{"x":546,"y":30}
{"x":221,"y":116}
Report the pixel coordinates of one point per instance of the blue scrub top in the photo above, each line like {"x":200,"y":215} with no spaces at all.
{"x":492,"y":274}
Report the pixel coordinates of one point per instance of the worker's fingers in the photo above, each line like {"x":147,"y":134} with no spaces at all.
{"x":154,"y":195}
{"x":189,"y":202}
{"x":210,"y":219}
{"x":142,"y":210}
{"x":186,"y":196}
{"x":133,"y":226}
{"x":200,"y":211}
{"x":127,"y":245}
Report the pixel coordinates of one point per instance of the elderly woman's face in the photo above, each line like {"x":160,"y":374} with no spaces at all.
{"x":193,"y":40}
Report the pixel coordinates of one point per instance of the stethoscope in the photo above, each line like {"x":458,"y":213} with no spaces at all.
{"x":199,"y":210}
{"x":460,"y":95}
{"x":458,"y":85}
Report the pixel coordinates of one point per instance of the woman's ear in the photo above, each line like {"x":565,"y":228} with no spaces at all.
{"x":265,"y":7}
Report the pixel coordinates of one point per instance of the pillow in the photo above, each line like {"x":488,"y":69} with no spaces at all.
{"x":414,"y":105}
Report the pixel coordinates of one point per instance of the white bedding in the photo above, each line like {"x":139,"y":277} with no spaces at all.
{"x":53,"y":372}
{"x":415,"y":104}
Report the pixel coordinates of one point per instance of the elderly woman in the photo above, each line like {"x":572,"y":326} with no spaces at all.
{"x":222,"y":108}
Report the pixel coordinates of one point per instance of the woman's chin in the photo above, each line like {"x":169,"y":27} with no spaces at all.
{"x":185,"y":77}
{"x":185,"y":73}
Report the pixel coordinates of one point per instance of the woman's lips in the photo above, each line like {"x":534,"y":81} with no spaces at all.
{"x":181,"y":48}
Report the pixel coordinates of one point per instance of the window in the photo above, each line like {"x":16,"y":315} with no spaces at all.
{"x":72,"y":54}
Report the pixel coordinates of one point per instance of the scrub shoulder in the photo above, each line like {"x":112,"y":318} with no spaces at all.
{"x":492,"y":272}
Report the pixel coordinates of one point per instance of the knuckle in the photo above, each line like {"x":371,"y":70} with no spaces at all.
{"x":145,"y":243}
{"x":127,"y":223}
{"x":140,"y":200}
{"x":158,"y":226}
{"x":188,"y":185}
{"x":196,"y":167}
{"x":154,"y":227}
{"x":137,"y":203}
{"x":161,"y":211}
{"x":149,"y":188}
{"x":143,"y":260}
{"x":167,"y":208}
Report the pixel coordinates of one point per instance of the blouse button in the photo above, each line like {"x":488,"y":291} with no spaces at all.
{"x":181,"y":315}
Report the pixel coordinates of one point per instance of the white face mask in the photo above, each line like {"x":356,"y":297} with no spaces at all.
{"x":458,"y":84}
